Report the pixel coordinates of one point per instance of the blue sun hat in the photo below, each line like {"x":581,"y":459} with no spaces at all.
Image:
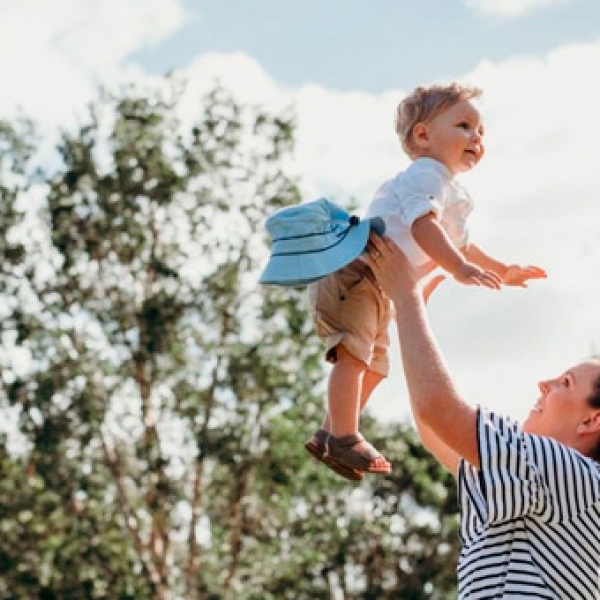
{"x":312,"y":240}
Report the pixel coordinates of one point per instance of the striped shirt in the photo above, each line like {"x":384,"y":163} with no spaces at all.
{"x":530,"y":518}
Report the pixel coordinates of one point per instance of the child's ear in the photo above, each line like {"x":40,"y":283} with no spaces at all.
{"x":421,"y":134}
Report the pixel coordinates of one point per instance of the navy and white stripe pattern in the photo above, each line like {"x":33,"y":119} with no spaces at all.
{"x":530,"y":518}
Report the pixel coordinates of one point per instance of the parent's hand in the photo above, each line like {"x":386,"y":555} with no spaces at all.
{"x":431,"y":285}
{"x":390,"y":266}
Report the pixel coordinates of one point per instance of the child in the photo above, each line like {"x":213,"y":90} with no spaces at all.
{"x":425,"y":211}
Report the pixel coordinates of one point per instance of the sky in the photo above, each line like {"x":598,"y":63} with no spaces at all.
{"x":344,"y":65}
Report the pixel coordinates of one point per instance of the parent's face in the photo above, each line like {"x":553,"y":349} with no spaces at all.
{"x":562,"y":410}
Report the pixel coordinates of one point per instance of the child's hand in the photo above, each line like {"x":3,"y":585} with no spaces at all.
{"x":517,"y":275}
{"x":470,"y":274}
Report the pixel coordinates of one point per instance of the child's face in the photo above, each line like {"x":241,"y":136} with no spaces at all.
{"x":454,"y":137}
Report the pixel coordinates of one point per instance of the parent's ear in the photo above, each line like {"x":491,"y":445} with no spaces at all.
{"x":591,"y":425}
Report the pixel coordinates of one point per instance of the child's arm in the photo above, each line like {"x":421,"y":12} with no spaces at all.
{"x":432,"y":238}
{"x":511,"y":274}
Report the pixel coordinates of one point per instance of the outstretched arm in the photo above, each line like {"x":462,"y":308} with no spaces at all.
{"x":432,"y":238}
{"x":446,"y":423}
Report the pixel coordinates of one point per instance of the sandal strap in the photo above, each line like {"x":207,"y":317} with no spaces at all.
{"x":341,"y":449}
{"x":347,"y":441}
{"x":320,"y":437}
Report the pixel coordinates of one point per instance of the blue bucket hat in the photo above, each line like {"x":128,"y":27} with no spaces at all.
{"x":314,"y":239}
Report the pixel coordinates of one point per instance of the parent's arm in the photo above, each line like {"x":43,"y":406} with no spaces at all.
{"x":447,"y":424}
{"x":445,"y":455}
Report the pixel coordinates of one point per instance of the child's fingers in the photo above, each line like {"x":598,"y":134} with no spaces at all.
{"x":529,"y":272}
{"x":490,"y":279}
{"x":536,"y":273}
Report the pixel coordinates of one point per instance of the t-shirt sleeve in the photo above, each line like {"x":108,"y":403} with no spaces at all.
{"x":421,"y":193}
{"x":522,"y":474}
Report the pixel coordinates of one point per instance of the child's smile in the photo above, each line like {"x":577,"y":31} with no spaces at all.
{"x":454,"y":137}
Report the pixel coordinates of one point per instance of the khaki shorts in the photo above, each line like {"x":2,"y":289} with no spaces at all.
{"x":349,"y":309}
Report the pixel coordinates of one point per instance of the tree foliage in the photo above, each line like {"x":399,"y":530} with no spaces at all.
{"x":162,"y":397}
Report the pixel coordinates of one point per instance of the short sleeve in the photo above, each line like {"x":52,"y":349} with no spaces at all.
{"x":422,"y":193}
{"x":522,"y":474}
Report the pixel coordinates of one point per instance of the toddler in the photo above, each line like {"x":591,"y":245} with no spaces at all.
{"x":425,"y":212}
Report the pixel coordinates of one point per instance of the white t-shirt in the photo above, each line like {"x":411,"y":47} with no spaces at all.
{"x":425,"y":186}
{"x":530,"y":518}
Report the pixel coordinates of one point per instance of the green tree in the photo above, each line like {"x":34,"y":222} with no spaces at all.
{"x":166,"y":398}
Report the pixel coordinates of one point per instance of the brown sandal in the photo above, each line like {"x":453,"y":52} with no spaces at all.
{"x":366,"y":459}
{"x":317,"y":448}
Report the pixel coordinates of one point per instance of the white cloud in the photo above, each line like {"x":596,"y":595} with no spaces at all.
{"x":342,"y":143}
{"x":535,"y":190}
{"x":536,"y":203}
{"x":511,"y":8}
{"x":346,"y":142}
{"x":240,"y":74}
{"x":53,"y":55}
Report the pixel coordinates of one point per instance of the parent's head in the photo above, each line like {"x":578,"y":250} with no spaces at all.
{"x":568,"y":409}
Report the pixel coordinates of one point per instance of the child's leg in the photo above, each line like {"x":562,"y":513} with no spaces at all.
{"x":348,"y":308}
{"x":344,"y":393}
{"x":344,"y":401}
{"x":370,"y":380}
{"x":345,"y":398}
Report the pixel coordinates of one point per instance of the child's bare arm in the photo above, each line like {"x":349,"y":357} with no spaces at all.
{"x":432,"y":238}
{"x":515,"y":275}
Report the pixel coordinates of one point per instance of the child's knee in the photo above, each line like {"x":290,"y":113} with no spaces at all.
{"x":342,"y":354}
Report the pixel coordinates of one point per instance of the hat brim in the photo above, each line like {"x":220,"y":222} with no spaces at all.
{"x":302,"y":269}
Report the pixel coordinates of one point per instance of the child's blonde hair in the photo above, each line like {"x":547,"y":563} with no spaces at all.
{"x":424,"y":104}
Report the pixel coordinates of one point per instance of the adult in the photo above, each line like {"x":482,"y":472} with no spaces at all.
{"x":529,"y":494}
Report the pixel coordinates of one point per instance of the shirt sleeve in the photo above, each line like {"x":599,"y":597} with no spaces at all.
{"x":422,"y":193}
{"x":522,"y":474}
